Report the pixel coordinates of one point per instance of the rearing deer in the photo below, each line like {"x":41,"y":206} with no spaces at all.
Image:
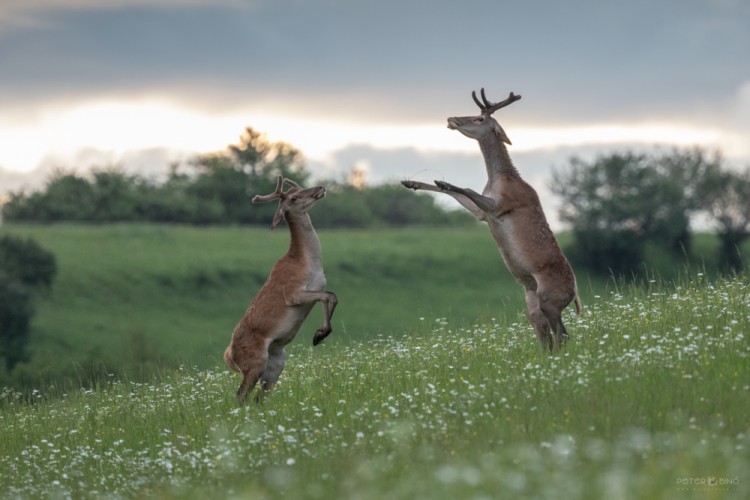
{"x":512,"y":210}
{"x":295,"y":284}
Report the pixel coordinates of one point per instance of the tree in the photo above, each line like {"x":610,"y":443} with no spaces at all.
{"x":167,"y":202}
{"x":259,"y":158}
{"x":115,"y":195}
{"x":344,"y":207}
{"x":66,"y":196}
{"x":107,"y":194}
{"x":396,"y":206}
{"x":226,"y":178}
{"x":686,"y":169}
{"x":619,"y":202}
{"x":355,"y":205}
{"x":725,"y":196}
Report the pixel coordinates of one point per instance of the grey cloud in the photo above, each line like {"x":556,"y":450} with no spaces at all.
{"x":575,"y":62}
{"x":582,"y":60}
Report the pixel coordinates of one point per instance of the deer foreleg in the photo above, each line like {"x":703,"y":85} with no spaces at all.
{"x":417,"y":186}
{"x":329,"y":301}
{"x":485,"y":204}
{"x":462,"y":199}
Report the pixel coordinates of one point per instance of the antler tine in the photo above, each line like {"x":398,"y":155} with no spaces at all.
{"x":292,"y":183}
{"x":488,"y":107}
{"x":491,"y":108}
{"x":273,"y":196}
{"x":474,"y":96}
{"x":487,"y":103}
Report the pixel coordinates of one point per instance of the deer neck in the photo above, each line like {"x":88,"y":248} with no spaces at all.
{"x":304,"y":241}
{"x":496,"y":157}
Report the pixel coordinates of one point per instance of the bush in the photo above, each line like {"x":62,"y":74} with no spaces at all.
{"x":606,"y":252}
{"x":26,"y":262}
{"x":16,"y":310}
{"x":24,"y":267}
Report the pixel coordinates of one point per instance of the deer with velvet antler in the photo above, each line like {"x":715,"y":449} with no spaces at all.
{"x":513,"y":212}
{"x":295,"y":284}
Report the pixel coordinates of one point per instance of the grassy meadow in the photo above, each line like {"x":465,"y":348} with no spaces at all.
{"x":132,"y":299}
{"x":649,"y":399}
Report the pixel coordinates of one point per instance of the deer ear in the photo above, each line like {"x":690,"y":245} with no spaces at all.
{"x":277,"y":217}
{"x":502,"y":134}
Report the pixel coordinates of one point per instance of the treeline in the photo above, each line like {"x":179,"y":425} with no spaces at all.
{"x":620,"y":203}
{"x":616,"y":206}
{"x":216,"y":189}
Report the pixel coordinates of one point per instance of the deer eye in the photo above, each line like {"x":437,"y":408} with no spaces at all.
{"x":479,"y":119}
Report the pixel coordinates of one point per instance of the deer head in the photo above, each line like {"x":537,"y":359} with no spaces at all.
{"x":477,"y":127}
{"x":295,"y":201}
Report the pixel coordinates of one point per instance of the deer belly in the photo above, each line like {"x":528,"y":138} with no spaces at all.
{"x":516,"y":260}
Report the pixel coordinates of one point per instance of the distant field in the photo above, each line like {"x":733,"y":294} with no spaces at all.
{"x":141,"y":297}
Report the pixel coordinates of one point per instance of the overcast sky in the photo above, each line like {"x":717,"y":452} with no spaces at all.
{"x":366,"y":83}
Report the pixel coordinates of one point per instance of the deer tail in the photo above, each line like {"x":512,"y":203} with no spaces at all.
{"x":229,"y":360}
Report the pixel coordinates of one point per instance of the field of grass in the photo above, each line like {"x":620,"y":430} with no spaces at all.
{"x":131,"y":299}
{"x":649,"y":399}
{"x":140,"y":297}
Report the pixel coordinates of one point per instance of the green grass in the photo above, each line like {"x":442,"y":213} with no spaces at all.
{"x":649,"y":399}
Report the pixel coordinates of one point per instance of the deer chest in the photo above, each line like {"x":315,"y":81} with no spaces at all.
{"x":316,"y":279}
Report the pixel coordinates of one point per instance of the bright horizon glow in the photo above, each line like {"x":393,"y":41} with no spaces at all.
{"x":117,"y":128}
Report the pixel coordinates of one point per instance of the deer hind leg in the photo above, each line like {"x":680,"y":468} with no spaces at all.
{"x":538,"y":319}
{"x":274,"y":367}
{"x":251,"y":360}
{"x":552,"y":305}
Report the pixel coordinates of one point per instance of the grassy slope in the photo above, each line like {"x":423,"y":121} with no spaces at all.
{"x":649,"y":400}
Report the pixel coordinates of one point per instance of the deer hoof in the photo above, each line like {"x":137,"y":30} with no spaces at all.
{"x":321,"y":334}
{"x":444,"y":185}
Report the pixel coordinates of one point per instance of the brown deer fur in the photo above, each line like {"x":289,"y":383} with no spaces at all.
{"x":513,"y":212}
{"x":294,"y":285}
